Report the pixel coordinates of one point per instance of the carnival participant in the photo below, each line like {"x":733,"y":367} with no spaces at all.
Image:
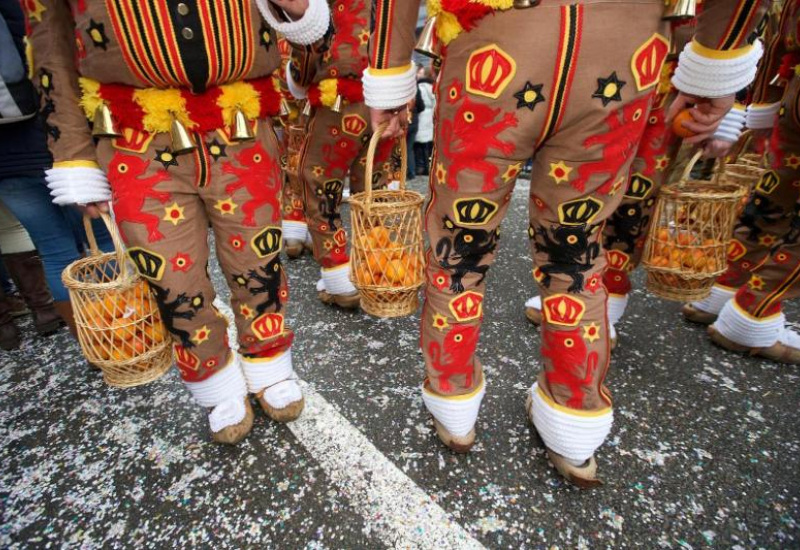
{"x":177,"y":93}
{"x":745,"y":305}
{"x":338,"y":132}
{"x":563,"y":81}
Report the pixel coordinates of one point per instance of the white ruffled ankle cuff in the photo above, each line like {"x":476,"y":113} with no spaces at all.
{"x":617,"y":304}
{"x":790,"y":338}
{"x":389,"y":91}
{"x":457,"y":414}
{"x":575,"y":435}
{"x":730,"y":129}
{"x":306,"y":30}
{"x":707,"y":76}
{"x":713,"y":302}
{"x":336,"y":280}
{"x":738,"y":326}
{"x":222,"y":386}
{"x":762,"y":116}
{"x":534,"y":303}
{"x":228,"y":413}
{"x":264,"y":373}
{"x":295,"y":231}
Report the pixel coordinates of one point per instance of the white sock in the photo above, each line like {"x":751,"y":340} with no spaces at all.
{"x":275,"y":376}
{"x":713,"y":302}
{"x":616,"y":307}
{"x":457,"y":414}
{"x":224,"y":391}
{"x":336,"y":280}
{"x":293,"y":230}
{"x":738,"y":326}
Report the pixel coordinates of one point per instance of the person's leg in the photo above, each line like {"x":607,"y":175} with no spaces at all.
{"x":164,"y":224}
{"x":242,"y":200}
{"x":22,"y":261}
{"x":753,"y":320}
{"x":294,"y":225}
{"x":333,"y":142}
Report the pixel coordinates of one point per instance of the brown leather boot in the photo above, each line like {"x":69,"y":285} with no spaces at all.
{"x":9,"y":335}
{"x":27,"y":272}
{"x":64,"y":310}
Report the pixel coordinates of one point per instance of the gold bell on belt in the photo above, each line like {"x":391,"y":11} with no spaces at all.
{"x":681,"y":9}
{"x":181,"y":140}
{"x":285,"y":110}
{"x":104,"y":123}
{"x":337,"y":105}
{"x":427,"y":44}
{"x":307,"y":109}
{"x":522,"y":4}
{"x":242,"y":131}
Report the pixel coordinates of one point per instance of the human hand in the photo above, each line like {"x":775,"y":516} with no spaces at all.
{"x":397,"y":120}
{"x":295,"y":9}
{"x":716,"y":148}
{"x":93,"y":209}
{"x":707,"y":113}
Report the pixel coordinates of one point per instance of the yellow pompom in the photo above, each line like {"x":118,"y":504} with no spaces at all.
{"x":241,"y":96}
{"x":328,"y":90}
{"x":448,"y":27}
{"x":90,"y":96}
{"x":160,"y":106}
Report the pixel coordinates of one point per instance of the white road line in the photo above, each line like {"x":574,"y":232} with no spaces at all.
{"x":395,"y":508}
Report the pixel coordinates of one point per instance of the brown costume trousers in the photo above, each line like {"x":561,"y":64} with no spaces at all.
{"x":559,"y":82}
{"x":164,"y":203}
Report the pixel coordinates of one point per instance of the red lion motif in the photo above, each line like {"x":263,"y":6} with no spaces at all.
{"x":339,"y":156}
{"x":455,"y":354}
{"x":655,"y":141}
{"x":568,"y":353}
{"x":261,"y":176}
{"x":346,"y":23}
{"x":131,"y":190}
{"x":625,"y":129}
{"x":470,"y":134}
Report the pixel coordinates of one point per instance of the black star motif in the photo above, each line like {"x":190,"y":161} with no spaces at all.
{"x":53,"y":130}
{"x":216,"y":149}
{"x":529,"y":96}
{"x":266,"y":39}
{"x":49,"y":107}
{"x":166,"y":158}
{"x":97,"y":34}
{"x":608,"y":89}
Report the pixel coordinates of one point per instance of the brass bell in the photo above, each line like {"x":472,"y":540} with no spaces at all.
{"x":337,"y":105}
{"x":522,"y":4}
{"x":428,"y":43}
{"x":181,"y":140}
{"x":285,"y":109}
{"x":104,"y":125}
{"x":307,"y":109}
{"x":681,"y":9}
{"x":777,"y":80}
{"x":242,"y":130}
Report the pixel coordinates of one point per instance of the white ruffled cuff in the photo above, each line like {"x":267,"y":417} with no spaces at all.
{"x":705,"y":76}
{"x":714,"y":302}
{"x":336,"y":280}
{"x":77,"y":185}
{"x":730,"y":129}
{"x":306,"y":30}
{"x":617,"y":304}
{"x":574,"y":436}
{"x":220,"y":387}
{"x":736,"y":325}
{"x":294,"y":230}
{"x":762,"y":116}
{"x":263,"y":373}
{"x":389,"y":91}
{"x":457,"y":414}
{"x":295,"y":89}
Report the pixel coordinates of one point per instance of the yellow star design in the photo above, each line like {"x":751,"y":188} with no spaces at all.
{"x":440,"y":322}
{"x":591,"y":332}
{"x":441,"y":173}
{"x":201,"y":335}
{"x":767,"y":239}
{"x":792,"y":161}
{"x":317,"y":171}
{"x":174,"y":214}
{"x":246,"y":312}
{"x":559,"y":171}
{"x":755,"y":282}
{"x":35,"y":10}
{"x":662,"y":162}
{"x":226,"y":206}
{"x":364,"y":37}
{"x":512,"y":172}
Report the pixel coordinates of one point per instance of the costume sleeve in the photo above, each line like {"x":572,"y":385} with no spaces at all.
{"x":765,"y":97}
{"x":719,"y":61}
{"x":75,"y":176}
{"x":390,"y":80}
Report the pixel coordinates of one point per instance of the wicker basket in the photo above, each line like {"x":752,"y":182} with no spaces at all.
{"x":119,"y":326}
{"x":688,"y":238}
{"x":387,"y":261}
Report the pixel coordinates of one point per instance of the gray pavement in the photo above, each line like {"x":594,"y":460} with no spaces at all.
{"x":704,"y":452}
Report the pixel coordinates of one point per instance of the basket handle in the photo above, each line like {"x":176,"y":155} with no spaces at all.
{"x":371,"y":150}
{"x":116,"y":238}
{"x":690,"y":166}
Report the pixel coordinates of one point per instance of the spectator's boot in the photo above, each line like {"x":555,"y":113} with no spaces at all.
{"x":9,"y":335}
{"x":27,"y":272}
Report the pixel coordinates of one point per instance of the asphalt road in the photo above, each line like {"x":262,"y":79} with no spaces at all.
{"x":705,"y":451}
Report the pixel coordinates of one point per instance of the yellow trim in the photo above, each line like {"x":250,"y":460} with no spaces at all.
{"x":264,"y":359}
{"x":755,"y":319}
{"x":711,"y":53}
{"x":338,"y":267}
{"x":612,"y":295}
{"x":76,"y":164}
{"x":465,"y":397}
{"x":764,"y":106}
{"x":566,"y":410}
{"x":729,"y":288}
{"x":391,"y":71}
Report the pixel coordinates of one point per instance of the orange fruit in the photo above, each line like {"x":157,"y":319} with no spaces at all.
{"x":121,"y":331}
{"x":380,"y":237}
{"x":395,"y":271}
{"x":363,"y":276}
{"x":663,"y":234}
{"x":686,"y":239}
{"x":677,"y":124}
{"x":376,"y":261}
